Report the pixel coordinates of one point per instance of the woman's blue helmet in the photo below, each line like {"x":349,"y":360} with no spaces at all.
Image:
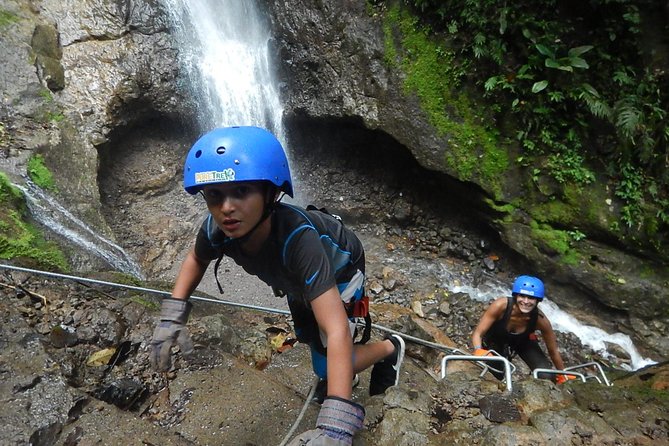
{"x":231,"y":154}
{"x":529,"y":286}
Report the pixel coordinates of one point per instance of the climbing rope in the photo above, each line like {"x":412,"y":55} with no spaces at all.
{"x":301,"y":414}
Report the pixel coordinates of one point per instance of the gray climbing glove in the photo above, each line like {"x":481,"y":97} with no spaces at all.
{"x":337,"y":423}
{"x":171,"y":328}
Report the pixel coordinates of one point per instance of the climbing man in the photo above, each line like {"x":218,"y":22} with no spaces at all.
{"x":509,"y":324}
{"x":307,"y":255}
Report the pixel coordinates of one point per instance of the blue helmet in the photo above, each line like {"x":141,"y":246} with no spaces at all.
{"x":231,"y":154}
{"x":529,"y":286}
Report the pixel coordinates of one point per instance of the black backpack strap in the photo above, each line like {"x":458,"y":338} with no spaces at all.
{"x":311,"y":207}
{"x":367,"y":331}
{"x":216,"y":265}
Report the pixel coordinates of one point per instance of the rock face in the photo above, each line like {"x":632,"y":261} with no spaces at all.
{"x":95,"y":87}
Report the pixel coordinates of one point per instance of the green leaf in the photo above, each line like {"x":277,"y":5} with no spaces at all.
{"x":491,"y":83}
{"x":577,"y":62}
{"x":579,"y":50}
{"x":545,"y":51}
{"x":502,"y":22}
{"x":590,"y":89}
{"x":552,"y":63}
{"x":538,"y":86}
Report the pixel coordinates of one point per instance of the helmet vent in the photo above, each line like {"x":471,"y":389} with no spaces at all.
{"x":220,"y":150}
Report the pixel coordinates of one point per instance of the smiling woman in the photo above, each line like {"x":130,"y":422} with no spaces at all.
{"x":508,"y":328}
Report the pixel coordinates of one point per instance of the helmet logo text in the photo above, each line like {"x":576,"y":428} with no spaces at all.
{"x":215,"y":176}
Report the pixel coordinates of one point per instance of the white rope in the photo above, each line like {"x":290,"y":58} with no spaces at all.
{"x":301,"y":415}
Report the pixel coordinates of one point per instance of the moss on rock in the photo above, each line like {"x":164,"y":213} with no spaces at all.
{"x":21,"y":241}
{"x":474,"y":152}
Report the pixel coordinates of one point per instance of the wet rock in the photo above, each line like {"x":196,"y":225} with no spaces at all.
{"x":47,"y":435}
{"x":63,"y":336}
{"x":489,"y":263}
{"x":499,"y":408}
{"x":124,"y":393}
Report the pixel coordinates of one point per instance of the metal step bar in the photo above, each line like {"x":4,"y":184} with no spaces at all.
{"x":481,"y":360}
{"x":509,"y":368}
{"x":582,"y":376}
{"x":535,"y":373}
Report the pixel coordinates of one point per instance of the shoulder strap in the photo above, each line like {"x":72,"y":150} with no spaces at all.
{"x":311,"y":207}
{"x":216,"y":265}
{"x":509,"y":308}
{"x":532,"y":325}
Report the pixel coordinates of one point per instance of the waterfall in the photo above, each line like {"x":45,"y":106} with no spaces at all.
{"x":54,"y":216}
{"x":592,"y":337}
{"x":224,"y":49}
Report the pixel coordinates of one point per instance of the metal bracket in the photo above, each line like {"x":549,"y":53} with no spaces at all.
{"x":600,"y":370}
{"x":535,"y":373}
{"x":500,"y":359}
{"x":582,"y":376}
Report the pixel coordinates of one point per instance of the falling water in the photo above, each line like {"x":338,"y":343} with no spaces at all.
{"x":54,"y":216}
{"x":590,"y":336}
{"x":224,"y":48}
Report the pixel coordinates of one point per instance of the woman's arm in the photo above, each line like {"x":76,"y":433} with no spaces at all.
{"x":494,"y":312}
{"x":189,"y":277}
{"x":332,"y":320}
{"x":544,"y":325}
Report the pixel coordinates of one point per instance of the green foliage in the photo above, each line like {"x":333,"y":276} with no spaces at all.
{"x":434,"y":76}
{"x":18,"y":239}
{"x":45,"y":93}
{"x":576,"y":81}
{"x":151,"y":305}
{"x":39,"y":173}
{"x":55,"y":116}
{"x":562,"y":242}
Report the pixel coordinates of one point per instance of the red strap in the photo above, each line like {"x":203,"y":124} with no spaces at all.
{"x":361,"y":307}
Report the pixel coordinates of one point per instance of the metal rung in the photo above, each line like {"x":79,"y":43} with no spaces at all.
{"x":487,"y":368}
{"x":591,"y":364}
{"x":503,"y":360}
{"x":536,"y":372}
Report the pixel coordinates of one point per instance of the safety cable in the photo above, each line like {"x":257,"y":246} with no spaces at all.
{"x":137,"y":288}
{"x":216,"y":301}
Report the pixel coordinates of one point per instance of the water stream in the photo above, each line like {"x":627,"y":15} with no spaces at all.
{"x":46,"y":209}
{"x":224,"y":49}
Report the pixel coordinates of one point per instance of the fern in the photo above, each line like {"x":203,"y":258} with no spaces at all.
{"x":628,"y":116}
{"x":594,"y":101}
